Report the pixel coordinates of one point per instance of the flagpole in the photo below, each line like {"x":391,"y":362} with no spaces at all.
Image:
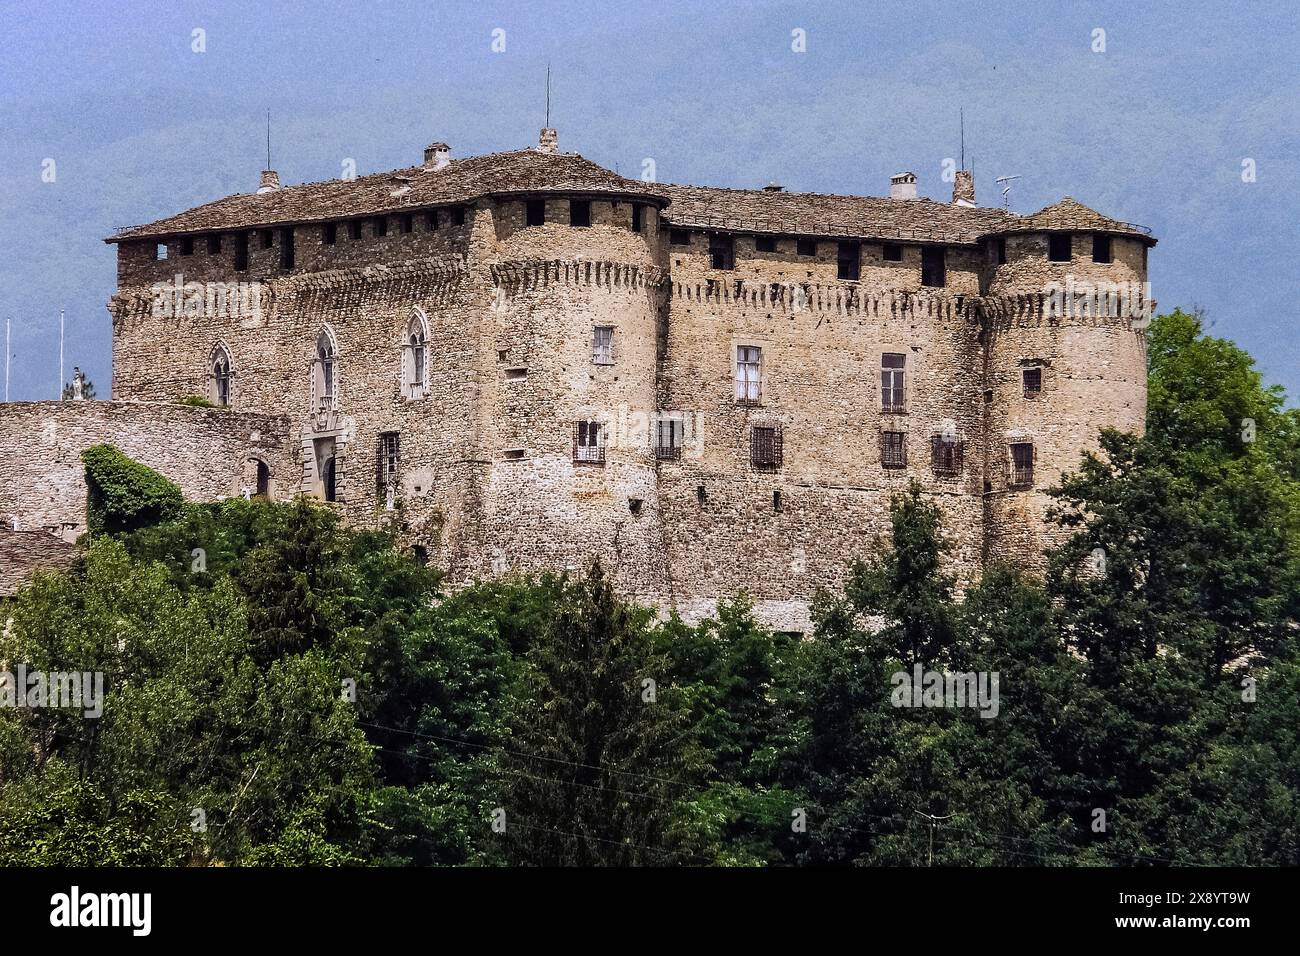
{"x":8,"y":354}
{"x":60,"y":355}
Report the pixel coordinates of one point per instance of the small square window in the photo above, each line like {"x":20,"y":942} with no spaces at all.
{"x":160,"y":251}
{"x":579,"y":213}
{"x":806,"y":247}
{"x":535,"y":212}
{"x":1058,"y":247}
{"x":1100,"y":248}
{"x":1033,"y":381}
{"x":892,"y":252}
{"x":765,"y":244}
{"x":893,"y":449}
{"x":765,"y":447}
{"x":679,"y":237}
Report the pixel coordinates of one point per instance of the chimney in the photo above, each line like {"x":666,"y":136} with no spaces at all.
{"x":902,"y":186}
{"x":270,"y":181}
{"x":548,"y":142}
{"x":963,"y":188}
{"x":773,"y":188}
{"x":436,"y":155}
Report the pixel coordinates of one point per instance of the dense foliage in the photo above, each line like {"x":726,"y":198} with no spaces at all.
{"x":282,"y":690}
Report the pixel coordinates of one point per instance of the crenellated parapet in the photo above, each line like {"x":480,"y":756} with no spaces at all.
{"x":518,"y":276}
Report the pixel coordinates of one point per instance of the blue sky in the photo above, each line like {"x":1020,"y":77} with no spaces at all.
{"x":1153,"y":130}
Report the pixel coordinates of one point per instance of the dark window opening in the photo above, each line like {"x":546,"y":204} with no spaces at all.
{"x":722,"y":252}
{"x":933,"y":269}
{"x":381,"y":226}
{"x":536,"y":212}
{"x":765,"y":244}
{"x":1058,"y":247}
{"x":421,"y":554}
{"x":408,"y":223}
{"x":268,"y":238}
{"x":1033,"y":381}
{"x":354,"y":229}
{"x":765,"y":447}
{"x":634,"y":505}
{"x":637,"y":213}
{"x":700,"y":494}
{"x":579,"y":212}
{"x":893,"y":449}
{"x":431,"y":220}
{"x":241,"y":251}
{"x":214,"y":245}
{"x":892,"y":252}
{"x":330,"y":233}
{"x":776,"y":500}
{"x":806,"y":247}
{"x":893,"y":393}
{"x":263,"y":479}
{"x":286,"y":252}
{"x":1000,"y":247}
{"x":328,"y":480}
{"x":1100,"y":248}
{"x":187,"y":245}
{"x":458,"y":216}
{"x":946,"y":456}
{"x":1022,"y":464}
{"x":848,"y":258}
{"x":679,"y":237}
{"x":588,"y":443}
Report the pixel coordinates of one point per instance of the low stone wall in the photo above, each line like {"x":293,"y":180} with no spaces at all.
{"x":210,"y":453}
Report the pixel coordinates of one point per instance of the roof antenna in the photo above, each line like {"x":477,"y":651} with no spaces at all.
{"x":548,"y":96}
{"x":1005,"y":182}
{"x":268,"y":139}
{"x":963,"y":137}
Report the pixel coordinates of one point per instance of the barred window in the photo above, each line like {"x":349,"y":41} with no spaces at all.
{"x":749,"y":362}
{"x":893,"y":396}
{"x":669,"y":438}
{"x":602,"y":348}
{"x":1022,"y":464}
{"x":765,"y":447}
{"x":588,"y":443}
{"x":946,"y":456}
{"x":386,"y":468}
{"x":893,"y":450}
{"x":1033,"y":381}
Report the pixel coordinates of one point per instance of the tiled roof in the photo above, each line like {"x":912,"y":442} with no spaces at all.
{"x":1073,"y":216}
{"x":461,"y":180}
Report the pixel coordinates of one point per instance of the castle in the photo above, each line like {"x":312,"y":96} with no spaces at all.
{"x":524,"y":361}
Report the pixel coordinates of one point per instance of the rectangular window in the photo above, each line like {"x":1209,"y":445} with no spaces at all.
{"x":286,"y":248}
{"x":1000,"y":248}
{"x":408,"y":223}
{"x":1058,"y":247}
{"x":765,"y":244}
{"x":679,"y":237}
{"x":536,"y":212}
{"x":214,"y":245}
{"x":588,"y":443}
{"x":892,"y":252}
{"x":1033,"y":381}
{"x":637,"y":213}
{"x":722,"y":252}
{"x":381,"y":226}
{"x":669,"y":435}
{"x":946,"y":456}
{"x":933,"y":269}
{"x":749,"y":362}
{"x":386,"y":467}
{"x":847,"y":259}
{"x":187,"y":245}
{"x":1022,"y":464}
{"x":602,"y":349}
{"x":329,"y":233}
{"x":1100,"y":248}
{"x":458,"y":216}
{"x":806,"y":247}
{"x":354,"y":229}
{"x":579,"y":213}
{"x":160,"y":250}
{"x":765,"y":447}
{"x":268,"y":238}
{"x":241,"y":251}
{"x":431,"y":220}
{"x":893,"y":449}
{"x":893,"y":394}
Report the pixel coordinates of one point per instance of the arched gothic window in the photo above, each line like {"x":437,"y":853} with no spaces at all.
{"x":416,"y":359}
{"x":219,"y":376}
{"x":326,"y":371}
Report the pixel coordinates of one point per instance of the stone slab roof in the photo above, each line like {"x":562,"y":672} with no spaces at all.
{"x":1070,"y":215}
{"x":416,"y":187}
{"x":23,"y":552}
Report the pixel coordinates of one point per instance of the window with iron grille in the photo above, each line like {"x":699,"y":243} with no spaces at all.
{"x":588,"y":443}
{"x":1022,"y":464}
{"x":749,"y":363}
{"x":602,"y":348}
{"x":1033,"y":381}
{"x":893,"y":450}
{"x":669,"y":438}
{"x":722,"y":252}
{"x":933,"y":269}
{"x":387,"y":463}
{"x":847,"y":260}
{"x":893,"y":395}
{"x":765,"y":447}
{"x":946,"y":456}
